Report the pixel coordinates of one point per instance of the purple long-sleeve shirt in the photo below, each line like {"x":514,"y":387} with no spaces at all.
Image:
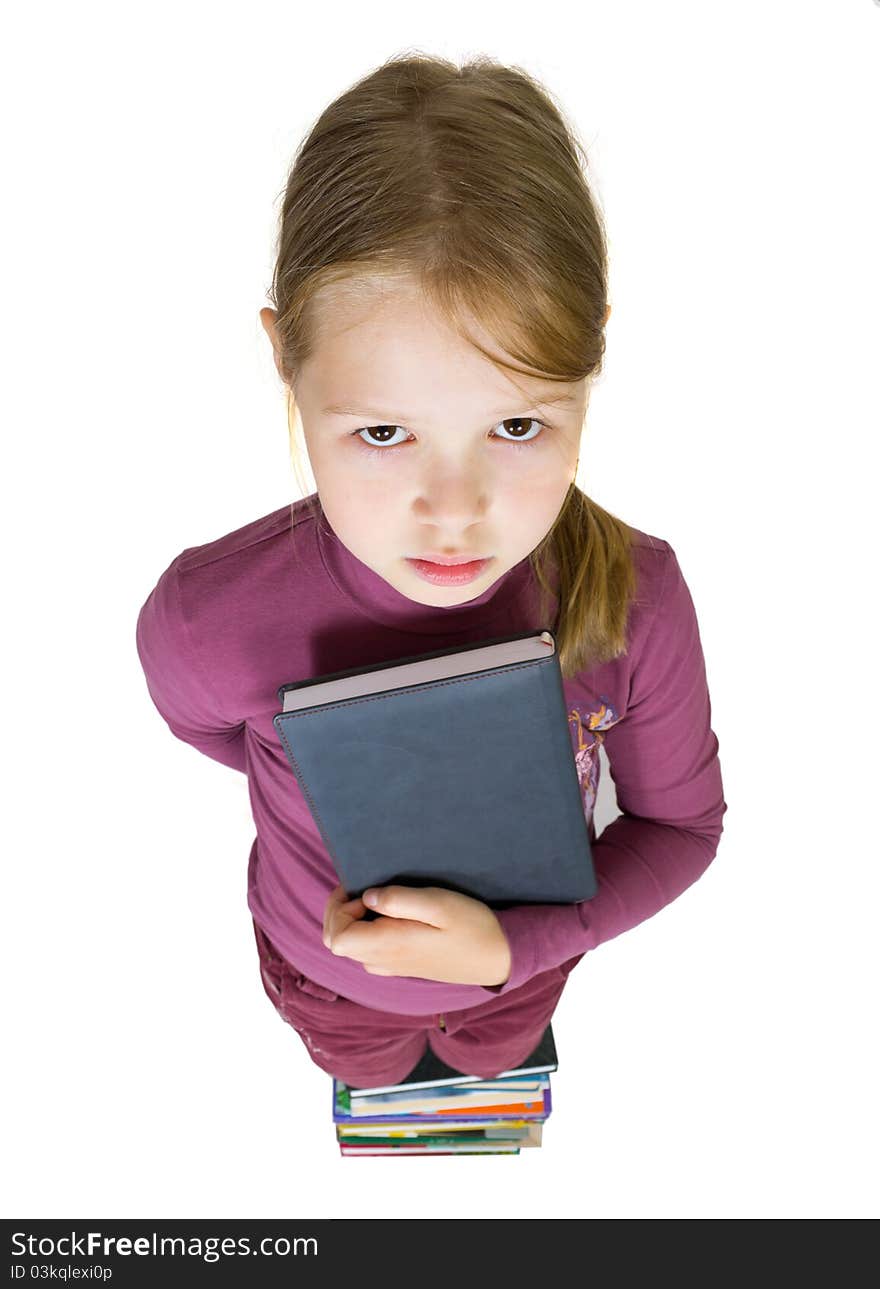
{"x":231,"y":620}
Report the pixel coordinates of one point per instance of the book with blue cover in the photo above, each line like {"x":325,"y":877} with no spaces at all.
{"x":453,"y":768}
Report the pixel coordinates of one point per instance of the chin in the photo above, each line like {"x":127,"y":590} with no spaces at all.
{"x":442,"y":596}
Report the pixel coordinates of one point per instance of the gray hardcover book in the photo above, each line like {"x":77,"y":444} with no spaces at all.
{"x":453,"y":768}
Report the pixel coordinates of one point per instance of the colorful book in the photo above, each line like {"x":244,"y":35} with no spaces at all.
{"x":370,"y":1131}
{"x":539,"y":1109}
{"x":452,"y":1103}
{"x":528,"y":1137}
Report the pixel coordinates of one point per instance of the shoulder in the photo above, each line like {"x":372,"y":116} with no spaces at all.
{"x":221,"y":607}
{"x":244,"y":542}
{"x":663,"y":630}
{"x":243,"y":566}
{"x":655,"y":562}
{"x":660,"y":601}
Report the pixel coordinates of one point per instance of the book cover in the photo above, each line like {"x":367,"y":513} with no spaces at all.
{"x":453,"y":768}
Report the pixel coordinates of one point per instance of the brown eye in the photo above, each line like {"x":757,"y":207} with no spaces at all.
{"x":520,"y":434}
{"x":380,"y":435}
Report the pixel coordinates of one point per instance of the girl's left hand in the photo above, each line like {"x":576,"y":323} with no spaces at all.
{"x":426,"y":931}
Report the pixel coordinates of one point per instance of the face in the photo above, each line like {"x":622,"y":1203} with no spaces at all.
{"x":420,"y":446}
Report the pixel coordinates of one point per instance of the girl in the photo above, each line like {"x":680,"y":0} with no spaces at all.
{"x":439,"y":310}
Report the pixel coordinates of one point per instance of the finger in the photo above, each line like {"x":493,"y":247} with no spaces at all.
{"x":426,"y":904}
{"x":335,"y":900}
{"x":332,"y":899}
{"x":387,"y":943}
{"x":341,"y":918}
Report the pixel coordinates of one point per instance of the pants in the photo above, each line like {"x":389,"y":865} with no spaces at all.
{"x":365,"y":1047}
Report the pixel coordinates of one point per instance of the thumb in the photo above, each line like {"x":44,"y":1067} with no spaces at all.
{"x":417,"y":903}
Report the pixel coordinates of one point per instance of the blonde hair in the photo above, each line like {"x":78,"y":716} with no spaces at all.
{"x":468,"y":181}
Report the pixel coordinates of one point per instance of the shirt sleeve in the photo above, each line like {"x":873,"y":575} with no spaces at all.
{"x":664,"y":762}
{"x":176,"y":680}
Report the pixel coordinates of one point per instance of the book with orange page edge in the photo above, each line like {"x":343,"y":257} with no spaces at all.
{"x":452,"y":768}
{"x":534,"y":1108}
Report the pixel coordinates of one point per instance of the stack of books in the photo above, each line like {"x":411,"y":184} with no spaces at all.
{"x":436,"y":1110}
{"x":419,"y":809}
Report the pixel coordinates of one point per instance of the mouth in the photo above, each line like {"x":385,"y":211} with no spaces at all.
{"x":449,"y":561}
{"x":449,"y":570}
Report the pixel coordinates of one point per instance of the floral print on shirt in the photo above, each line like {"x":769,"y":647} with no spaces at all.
{"x":586,"y":737}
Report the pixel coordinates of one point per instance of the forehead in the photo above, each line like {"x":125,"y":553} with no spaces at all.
{"x":380,"y":312}
{"x":376,"y":337}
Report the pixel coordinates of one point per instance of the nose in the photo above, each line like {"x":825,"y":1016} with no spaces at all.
{"x":451,"y":498}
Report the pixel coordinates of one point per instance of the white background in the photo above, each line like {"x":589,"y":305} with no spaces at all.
{"x":717,"y":1061}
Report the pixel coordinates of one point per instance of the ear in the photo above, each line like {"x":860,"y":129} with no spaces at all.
{"x":607,"y":314}
{"x":268,"y":317}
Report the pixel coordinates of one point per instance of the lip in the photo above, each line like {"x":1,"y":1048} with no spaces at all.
{"x":434,"y":557}
{"x":458,"y":574}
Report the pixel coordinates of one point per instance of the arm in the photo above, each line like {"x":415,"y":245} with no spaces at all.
{"x":664,"y":762}
{"x":177,"y":683}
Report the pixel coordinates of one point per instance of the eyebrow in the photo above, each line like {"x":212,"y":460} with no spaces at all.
{"x":339,"y":409}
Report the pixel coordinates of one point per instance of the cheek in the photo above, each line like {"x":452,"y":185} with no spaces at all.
{"x":342,"y":487}
{"x":539,"y":492}
{"x":351,"y":506}
{"x":531,"y":508}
